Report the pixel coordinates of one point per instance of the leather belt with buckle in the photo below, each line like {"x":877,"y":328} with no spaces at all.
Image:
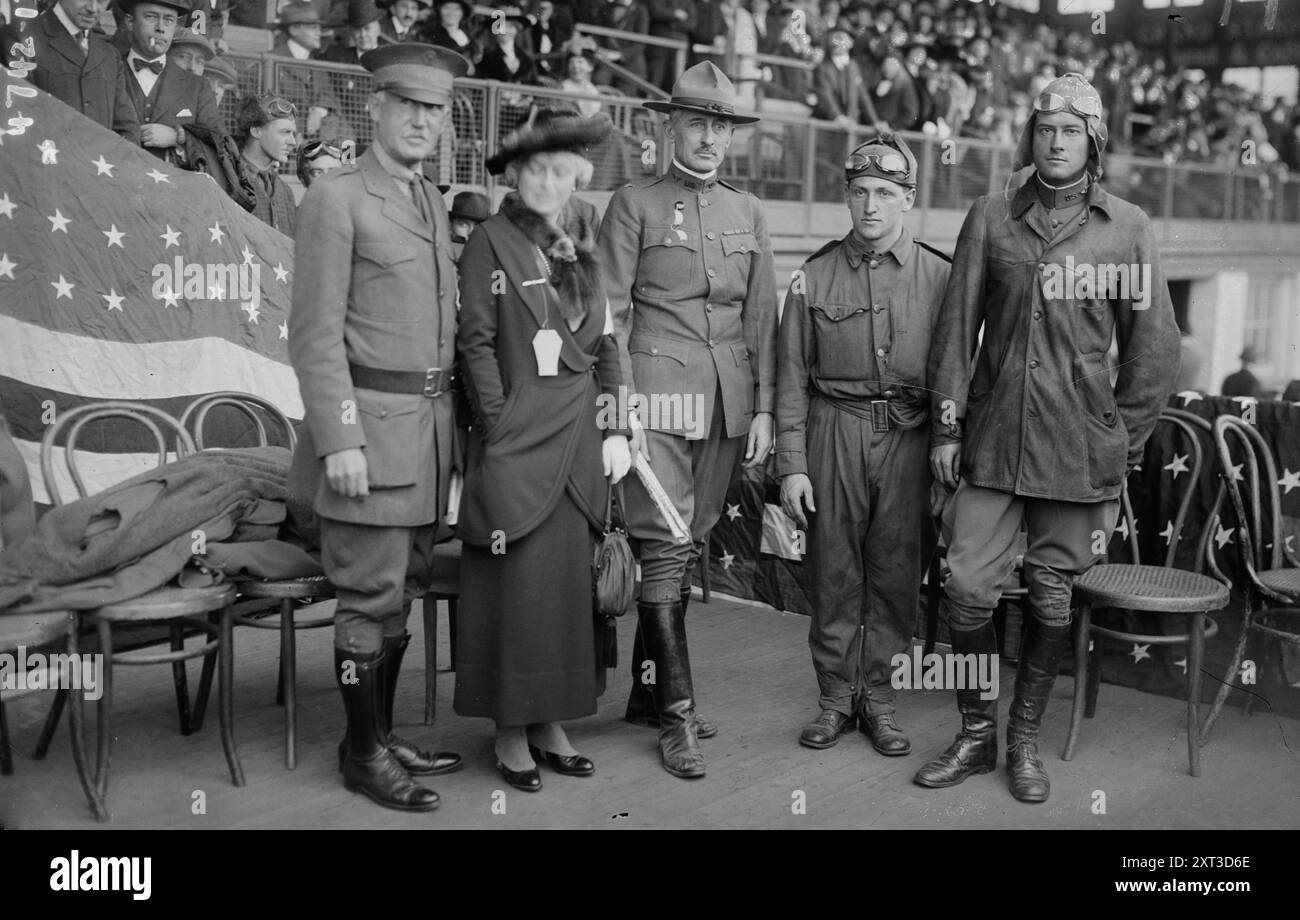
{"x":880,"y":420}
{"x":432,"y":382}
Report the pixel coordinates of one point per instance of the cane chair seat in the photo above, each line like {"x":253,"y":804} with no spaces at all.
{"x":169,"y":602}
{"x":31,"y":629}
{"x":309,"y":586}
{"x":1283,"y":581}
{"x":1151,"y":588}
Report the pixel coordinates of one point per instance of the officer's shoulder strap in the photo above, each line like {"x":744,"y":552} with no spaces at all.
{"x":646,"y":181}
{"x":726,"y":184}
{"x":938,"y":252}
{"x":829,"y":247}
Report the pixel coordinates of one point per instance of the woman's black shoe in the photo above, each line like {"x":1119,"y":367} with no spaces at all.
{"x":526,"y":780}
{"x":573,"y":765}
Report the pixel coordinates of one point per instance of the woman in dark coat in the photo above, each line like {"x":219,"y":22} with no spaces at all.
{"x":540,"y":360}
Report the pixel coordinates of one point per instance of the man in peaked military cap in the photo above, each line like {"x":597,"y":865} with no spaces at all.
{"x":1034,"y":429}
{"x":693,"y":289}
{"x":851,"y":441}
{"x":374,"y":358}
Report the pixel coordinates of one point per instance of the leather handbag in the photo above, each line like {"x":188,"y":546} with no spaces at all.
{"x":613,"y":568}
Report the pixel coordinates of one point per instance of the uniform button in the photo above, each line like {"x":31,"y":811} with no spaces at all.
{"x":1055,"y":222}
{"x":712,"y":343}
{"x":880,"y":352}
{"x":668,"y":241}
{"x":1082,"y":221}
{"x":889,"y":394}
{"x":873,"y":264}
{"x":1038,"y":314}
{"x":1042,"y":267}
{"x":1033,"y":364}
{"x":704,"y":202}
{"x":383,"y":413}
{"x":713,"y":273}
{"x":442,"y":341}
{"x":876,"y":308}
{"x":654,"y":349}
{"x":711,"y":235}
{"x":440,"y":292}
{"x":708,"y":308}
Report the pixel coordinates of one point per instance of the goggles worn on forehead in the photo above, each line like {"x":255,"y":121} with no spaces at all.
{"x":891,"y":164}
{"x":278,"y":108}
{"x":1085,"y":106}
{"x":321,"y":148}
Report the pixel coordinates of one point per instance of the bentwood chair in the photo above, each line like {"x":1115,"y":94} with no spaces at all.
{"x":207,"y":609}
{"x":29,"y":631}
{"x":445,"y":586}
{"x":1153,"y":589}
{"x":1269,"y":576}
{"x":283,"y":593}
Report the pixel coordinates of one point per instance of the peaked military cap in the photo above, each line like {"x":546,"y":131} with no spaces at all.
{"x":415,"y":70}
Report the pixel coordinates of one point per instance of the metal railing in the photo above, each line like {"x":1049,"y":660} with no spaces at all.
{"x":782,"y":158}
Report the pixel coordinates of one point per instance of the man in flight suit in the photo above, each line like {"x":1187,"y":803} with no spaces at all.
{"x":851,"y":441}
{"x":693,"y":289}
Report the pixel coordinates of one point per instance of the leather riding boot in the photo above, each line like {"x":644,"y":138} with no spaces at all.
{"x":1040,"y":659}
{"x":640,"y":703}
{"x":369,"y":768}
{"x":413,"y":760}
{"x":664,"y":634}
{"x":975,"y":749}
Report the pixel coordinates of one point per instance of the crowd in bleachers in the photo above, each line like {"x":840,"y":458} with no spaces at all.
{"x":948,"y":68}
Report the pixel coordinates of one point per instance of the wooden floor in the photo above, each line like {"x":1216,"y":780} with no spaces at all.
{"x":753,"y":677}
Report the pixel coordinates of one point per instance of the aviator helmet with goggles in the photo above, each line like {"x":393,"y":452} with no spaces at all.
{"x":885,"y":157}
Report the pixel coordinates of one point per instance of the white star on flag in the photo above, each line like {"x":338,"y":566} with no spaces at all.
{"x":216,"y":291}
{"x":1235,"y":473}
{"x":114,"y":300}
{"x":1224,"y":537}
{"x":284,"y":331}
{"x":216,"y":233}
{"x":1140,"y":651}
{"x":103,"y":167}
{"x":1177,"y":465}
{"x":170,"y":299}
{"x":251,"y":309}
{"x":1289,"y":481}
{"x":7,"y":206}
{"x":1168,"y":532}
{"x":63,"y":288}
{"x":157,"y":176}
{"x":6,"y":267}
{"x":114,"y":236}
{"x":1122,"y":529}
{"x":58,"y":223}
{"x":171,"y":238}
{"x":733,"y":512}
{"x":248,"y":256}
{"x":1182,"y":663}
{"x":727,"y":560}
{"x":281,"y":273}
{"x":1189,"y":396}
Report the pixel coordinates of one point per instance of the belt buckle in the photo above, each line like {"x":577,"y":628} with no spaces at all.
{"x":880,"y":415}
{"x":433,"y":383}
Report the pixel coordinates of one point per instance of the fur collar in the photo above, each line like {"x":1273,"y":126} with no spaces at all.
{"x":577,"y":279}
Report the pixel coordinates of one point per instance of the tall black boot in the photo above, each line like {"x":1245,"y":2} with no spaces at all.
{"x":975,"y":750}
{"x":1040,"y":660}
{"x":416,"y":761}
{"x":640,"y":703}
{"x":369,"y":768}
{"x":664,"y":633}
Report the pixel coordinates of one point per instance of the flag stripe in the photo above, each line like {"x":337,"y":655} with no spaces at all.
{"x":98,"y":471}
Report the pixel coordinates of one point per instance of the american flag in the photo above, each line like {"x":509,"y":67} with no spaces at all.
{"x":122,"y":277}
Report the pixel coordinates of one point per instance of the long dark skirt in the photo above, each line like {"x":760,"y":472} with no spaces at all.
{"x":525,"y":648}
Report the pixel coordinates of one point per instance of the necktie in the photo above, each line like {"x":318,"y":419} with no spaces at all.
{"x":140,"y":64}
{"x":417,"y":197}
{"x":83,"y":39}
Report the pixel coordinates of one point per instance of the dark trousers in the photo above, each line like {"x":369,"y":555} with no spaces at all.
{"x":376,"y":573}
{"x":1064,"y":540}
{"x":869,"y":541}
{"x":695,"y":474}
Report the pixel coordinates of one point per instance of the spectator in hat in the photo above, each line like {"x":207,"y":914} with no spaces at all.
{"x":166,"y":97}
{"x":547,"y":36}
{"x":365,"y":32}
{"x":220,"y":77}
{"x":73,"y":63}
{"x":841,"y":90}
{"x":580,"y":68}
{"x":216,"y":14}
{"x":267,"y":132}
{"x":299,"y":38}
{"x":897,"y":105}
{"x":1244,"y":382}
{"x":468,"y":210}
{"x":451,"y":31}
{"x":401,"y":23}
{"x":504,"y":59}
{"x":190,"y":51}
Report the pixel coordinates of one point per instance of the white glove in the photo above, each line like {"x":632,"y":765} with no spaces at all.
{"x":616,"y":457}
